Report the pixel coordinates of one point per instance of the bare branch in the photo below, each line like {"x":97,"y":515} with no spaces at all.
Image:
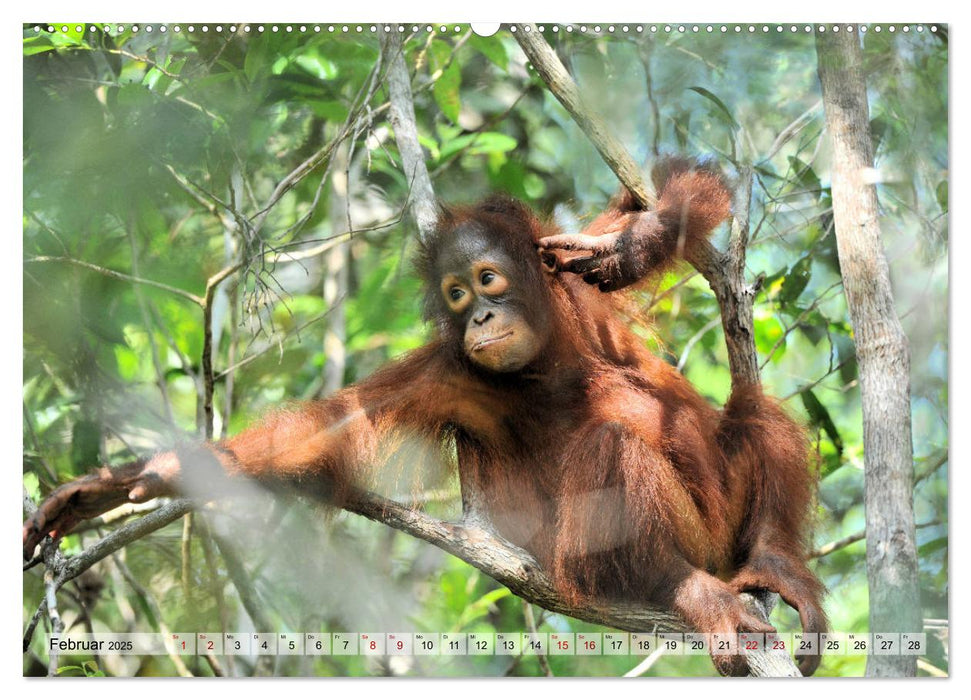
{"x":208,"y":376}
{"x":247,"y":593}
{"x":423,"y":205}
{"x":79,"y":563}
{"x":289,"y":334}
{"x":554,"y":74}
{"x":645,"y":665}
{"x":544,"y":663}
{"x":853,"y":539}
{"x":150,"y":602}
{"x":800,"y":123}
{"x":34,"y":621}
{"x":57,"y":624}
{"x":117,"y":275}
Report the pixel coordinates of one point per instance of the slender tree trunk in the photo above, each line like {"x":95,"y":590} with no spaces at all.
{"x":421,"y":198}
{"x":336,"y":261}
{"x":881,"y":350}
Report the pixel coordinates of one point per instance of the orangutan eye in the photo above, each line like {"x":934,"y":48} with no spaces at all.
{"x":487,"y":277}
{"x":456,"y":293}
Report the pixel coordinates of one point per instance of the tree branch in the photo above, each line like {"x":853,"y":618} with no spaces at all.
{"x":73,"y":567}
{"x":208,"y":374}
{"x":470,"y":541}
{"x":558,"y":80}
{"x":422,"y":198}
{"x":519,"y":571}
{"x":724,"y":272}
{"x":117,"y":275}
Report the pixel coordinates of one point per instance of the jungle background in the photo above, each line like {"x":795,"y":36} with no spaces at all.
{"x":242,"y":191}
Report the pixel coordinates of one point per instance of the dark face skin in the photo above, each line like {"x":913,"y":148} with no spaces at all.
{"x":485,"y":294}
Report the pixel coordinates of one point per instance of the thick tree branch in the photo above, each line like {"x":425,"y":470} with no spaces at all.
{"x":471,"y":542}
{"x":519,"y":571}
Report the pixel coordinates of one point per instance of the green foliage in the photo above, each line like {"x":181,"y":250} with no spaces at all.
{"x":446,"y":88}
{"x":88,"y":669}
{"x":796,"y":280}
{"x":820,"y":418}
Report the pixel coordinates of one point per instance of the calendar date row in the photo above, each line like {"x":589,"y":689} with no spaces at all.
{"x":485,"y":643}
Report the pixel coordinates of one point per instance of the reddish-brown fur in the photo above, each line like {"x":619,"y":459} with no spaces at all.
{"x":599,"y":458}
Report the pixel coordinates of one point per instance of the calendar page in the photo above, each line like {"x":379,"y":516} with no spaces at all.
{"x":450,"y":350}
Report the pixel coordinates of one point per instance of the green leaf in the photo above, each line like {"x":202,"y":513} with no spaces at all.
{"x":796,"y":280}
{"x":510,"y":178}
{"x":70,"y":38}
{"x":771,"y":283}
{"x":880,"y":127}
{"x":492,"y":48}
{"x":331,"y":110}
{"x":432,"y":145}
{"x":37,"y":44}
{"x":805,"y":180}
{"x":814,"y":326}
{"x":819,"y":415}
{"x":492,"y":142}
{"x":255,"y":63}
{"x":481,"y":607}
{"x":934,"y":545}
{"x":534,"y":185}
{"x":317,"y":66}
{"x":446,"y":92}
{"x":708,"y":95}
{"x":128,"y":362}
{"x":85,"y":444}
{"x":478,"y":144}
{"x":941,"y":194}
{"x":846,"y":351}
{"x":90,"y":669}
{"x":768,"y":332}
{"x":446,"y":88}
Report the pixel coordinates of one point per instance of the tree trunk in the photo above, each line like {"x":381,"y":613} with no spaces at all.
{"x":881,"y":349}
{"x":336,"y":261}
{"x":421,"y":198}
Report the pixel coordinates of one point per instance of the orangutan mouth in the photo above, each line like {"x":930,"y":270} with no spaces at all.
{"x":480,"y":344}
